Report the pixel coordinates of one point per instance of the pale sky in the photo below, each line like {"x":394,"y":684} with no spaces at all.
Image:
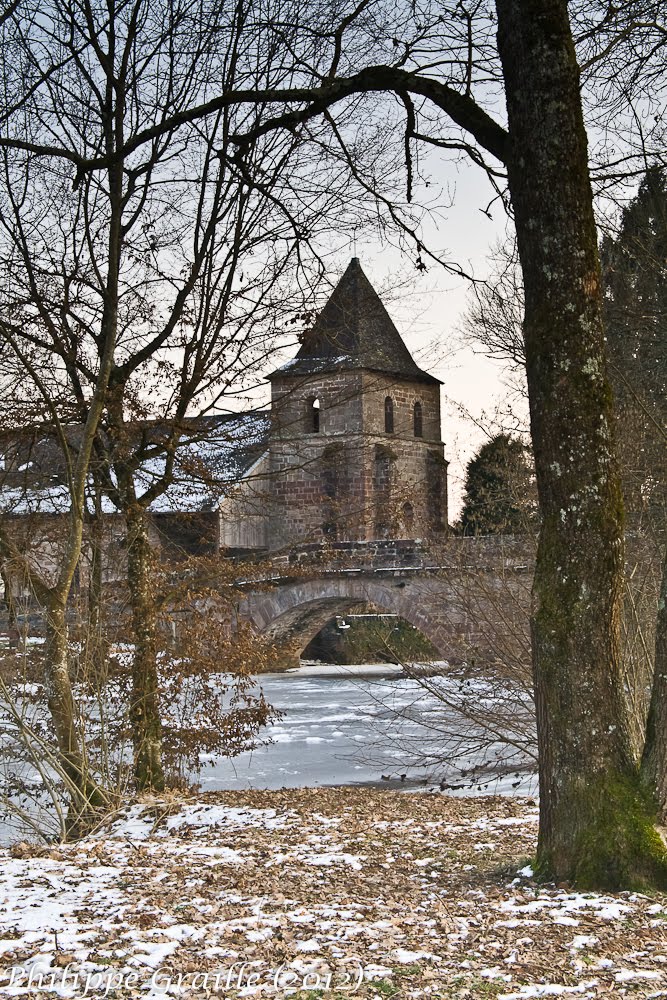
{"x":429,"y":317}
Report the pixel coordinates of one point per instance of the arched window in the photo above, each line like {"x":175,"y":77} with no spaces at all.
{"x":313,"y":419}
{"x":382,"y":472}
{"x":436,"y":479}
{"x":334,"y":465}
{"x":388,"y":415}
{"x":418,"y":421}
{"x":331,"y":470}
{"x":408,"y":515}
{"x":382,"y":491}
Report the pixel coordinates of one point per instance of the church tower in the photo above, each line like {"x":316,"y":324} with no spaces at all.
{"x":355,"y":451}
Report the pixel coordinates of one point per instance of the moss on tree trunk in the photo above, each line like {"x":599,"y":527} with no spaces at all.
{"x":596,"y":823}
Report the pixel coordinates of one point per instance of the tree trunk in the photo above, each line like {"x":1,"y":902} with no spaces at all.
{"x":10,"y":604}
{"x":654,"y":760}
{"x":96,"y":640}
{"x":85,"y":795}
{"x":596,"y":823}
{"x":145,"y":704}
{"x":58,"y":685}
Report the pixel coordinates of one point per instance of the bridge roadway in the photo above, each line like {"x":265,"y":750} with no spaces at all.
{"x":467,"y":595}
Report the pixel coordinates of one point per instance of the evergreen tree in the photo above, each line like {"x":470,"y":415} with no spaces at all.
{"x":500,"y":496}
{"x":635,"y":276}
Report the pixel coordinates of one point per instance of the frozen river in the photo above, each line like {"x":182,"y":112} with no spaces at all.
{"x":364,"y":725}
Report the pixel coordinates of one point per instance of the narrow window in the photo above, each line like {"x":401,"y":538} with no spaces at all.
{"x":333,"y":472}
{"x":382,"y":487}
{"x":382,"y":472}
{"x":330,"y":473}
{"x":314,"y":416}
{"x":389,"y":415}
{"x":419,"y":428}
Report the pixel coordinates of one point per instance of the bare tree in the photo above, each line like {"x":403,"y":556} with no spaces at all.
{"x":199,"y":257}
{"x":450,"y":74}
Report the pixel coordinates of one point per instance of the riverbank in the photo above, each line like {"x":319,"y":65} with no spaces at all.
{"x":342,"y":891}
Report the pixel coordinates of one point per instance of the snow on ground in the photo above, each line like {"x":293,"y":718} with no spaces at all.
{"x":342,"y":891}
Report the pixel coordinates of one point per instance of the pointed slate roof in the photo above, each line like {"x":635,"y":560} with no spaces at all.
{"x":354,"y":330}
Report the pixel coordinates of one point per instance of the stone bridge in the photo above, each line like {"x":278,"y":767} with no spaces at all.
{"x":468,"y":597}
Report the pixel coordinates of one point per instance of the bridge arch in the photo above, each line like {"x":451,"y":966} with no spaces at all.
{"x":294,"y":612}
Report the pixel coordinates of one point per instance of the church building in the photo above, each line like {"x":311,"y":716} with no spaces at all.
{"x":353,"y":447}
{"x":349,"y":451}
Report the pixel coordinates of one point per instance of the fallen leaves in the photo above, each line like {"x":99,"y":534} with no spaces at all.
{"x":407,"y":895}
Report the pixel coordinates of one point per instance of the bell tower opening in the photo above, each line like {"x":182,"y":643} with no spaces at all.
{"x":314,"y":419}
{"x":418,"y":420}
{"x":388,"y":415}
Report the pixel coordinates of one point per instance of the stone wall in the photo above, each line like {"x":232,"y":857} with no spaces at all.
{"x":243,"y":523}
{"x":336,"y":473}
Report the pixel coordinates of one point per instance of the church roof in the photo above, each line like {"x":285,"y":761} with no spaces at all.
{"x":354,"y":330}
{"x":215,"y":453}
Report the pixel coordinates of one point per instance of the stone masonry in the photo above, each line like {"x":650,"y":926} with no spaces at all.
{"x":355,"y":450}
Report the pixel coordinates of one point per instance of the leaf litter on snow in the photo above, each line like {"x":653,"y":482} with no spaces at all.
{"x":347,"y":891}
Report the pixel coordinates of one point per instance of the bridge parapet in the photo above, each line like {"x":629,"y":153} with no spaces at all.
{"x":512,"y":553}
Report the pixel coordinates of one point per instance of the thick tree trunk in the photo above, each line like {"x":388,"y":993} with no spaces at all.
{"x":596,"y":823}
{"x":59,"y":688}
{"x":96,"y":646}
{"x":654,"y":760}
{"x":145,"y":704}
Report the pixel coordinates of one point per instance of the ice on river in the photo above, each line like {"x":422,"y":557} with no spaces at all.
{"x":361,"y":724}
